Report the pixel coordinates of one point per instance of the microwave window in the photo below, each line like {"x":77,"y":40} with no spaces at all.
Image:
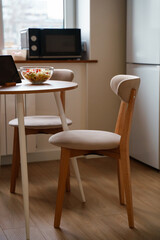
{"x":59,"y":43}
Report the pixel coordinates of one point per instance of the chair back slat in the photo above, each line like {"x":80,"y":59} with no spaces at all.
{"x":127,"y":121}
{"x":126,"y":87}
{"x":121,"y":118}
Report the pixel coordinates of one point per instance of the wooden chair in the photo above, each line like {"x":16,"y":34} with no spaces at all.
{"x":42,"y":125}
{"x":116,"y":145}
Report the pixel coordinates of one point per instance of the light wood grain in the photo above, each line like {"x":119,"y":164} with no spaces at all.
{"x":19,"y":234}
{"x":64,"y":166}
{"x":102,"y":217}
{"x":2,"y":235}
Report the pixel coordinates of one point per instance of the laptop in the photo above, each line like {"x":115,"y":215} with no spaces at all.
{"x":8,"y":71}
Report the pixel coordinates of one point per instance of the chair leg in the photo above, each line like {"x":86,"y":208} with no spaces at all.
{"x":127,"y":187}
{"x":76,"y":169}
{"x":68,"y":188}
{"x":121,"y":184}
{"x":15,"y":161}
{"x":64,"y":165}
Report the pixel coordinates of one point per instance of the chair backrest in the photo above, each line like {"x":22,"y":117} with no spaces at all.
{"x":63,"y":75}
{"x":126,"y":87}
{"x":122,"y":85}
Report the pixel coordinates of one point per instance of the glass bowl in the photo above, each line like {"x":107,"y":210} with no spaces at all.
{"x":36,"y":75}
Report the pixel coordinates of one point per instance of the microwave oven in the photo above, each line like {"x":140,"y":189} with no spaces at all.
{"x":51,"y":43}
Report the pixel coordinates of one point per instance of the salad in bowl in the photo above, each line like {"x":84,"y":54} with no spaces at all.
{"x":36,"y":75}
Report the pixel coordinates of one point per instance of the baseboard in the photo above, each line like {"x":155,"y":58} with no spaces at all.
{"x":39,"y":156}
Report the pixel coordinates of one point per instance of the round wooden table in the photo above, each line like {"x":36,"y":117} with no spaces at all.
{"x":27,"y":88}
{"x":48,"y":86}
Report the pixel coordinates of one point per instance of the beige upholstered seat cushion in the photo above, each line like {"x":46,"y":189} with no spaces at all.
{"x":86,"y":139}
{"x":40,"y":122}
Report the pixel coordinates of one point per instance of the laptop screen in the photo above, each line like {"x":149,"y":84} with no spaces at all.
{"x":8,"y":70}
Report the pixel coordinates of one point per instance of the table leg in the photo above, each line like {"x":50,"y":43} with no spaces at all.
{"x":76,"y":170}
{"x":65,"y":128}
{"x":23,"y":159}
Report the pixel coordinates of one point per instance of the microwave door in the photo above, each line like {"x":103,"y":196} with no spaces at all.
{"x":60,"y":43}
{"x":50,"y":46}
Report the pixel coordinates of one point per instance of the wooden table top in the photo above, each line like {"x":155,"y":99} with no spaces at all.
{"x":48,"y":86}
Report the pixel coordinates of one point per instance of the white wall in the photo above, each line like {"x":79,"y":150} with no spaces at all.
{"x":107,"y":44}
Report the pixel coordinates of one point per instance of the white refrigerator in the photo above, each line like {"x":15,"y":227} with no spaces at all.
{"x":143,"y":59}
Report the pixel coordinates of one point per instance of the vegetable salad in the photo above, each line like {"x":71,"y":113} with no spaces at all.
{"x":37,"y":74}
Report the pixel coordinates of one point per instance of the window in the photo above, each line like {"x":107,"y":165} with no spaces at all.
{"x":21,"y":14}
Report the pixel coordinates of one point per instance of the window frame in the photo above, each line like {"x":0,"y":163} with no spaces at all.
{"x":69,"y":11}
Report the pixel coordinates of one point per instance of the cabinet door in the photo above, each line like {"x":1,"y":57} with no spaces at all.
{"x":143,"y":31}
{"x":144,"y":140}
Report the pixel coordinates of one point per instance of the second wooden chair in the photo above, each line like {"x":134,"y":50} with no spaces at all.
{"x":42,"y":125}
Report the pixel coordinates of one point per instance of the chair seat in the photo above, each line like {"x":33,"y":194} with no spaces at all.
{"x":86,"y":140}
{"x":42,"y":122}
